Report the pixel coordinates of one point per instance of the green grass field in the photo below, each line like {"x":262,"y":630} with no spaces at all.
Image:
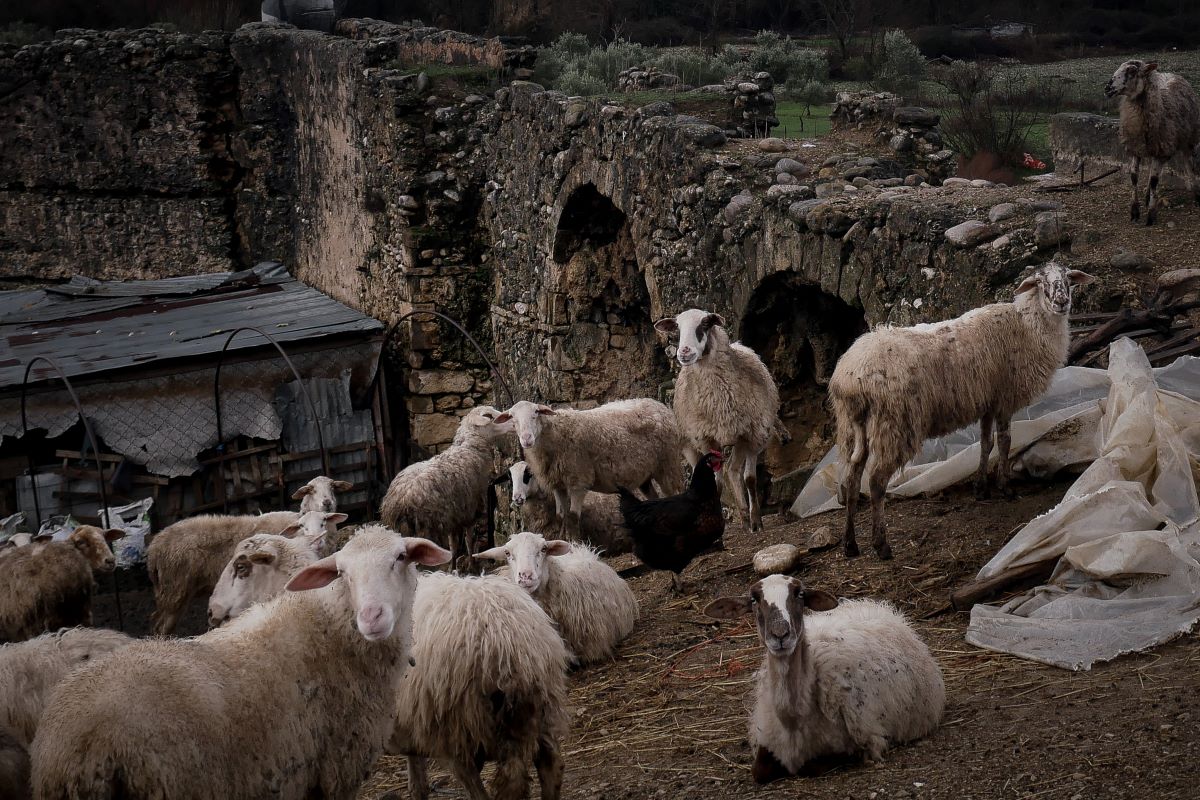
{"x":795,"y":124}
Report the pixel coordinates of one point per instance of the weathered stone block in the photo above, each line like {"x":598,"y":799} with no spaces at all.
{"x":439,"y":381}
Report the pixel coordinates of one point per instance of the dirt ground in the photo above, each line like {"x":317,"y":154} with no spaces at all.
{"x":667,"y":718}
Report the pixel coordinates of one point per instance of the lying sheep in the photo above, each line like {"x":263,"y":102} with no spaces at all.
{"x":1160,"y":116}
{"x":630,"y":443}
{"x":600,"y":523}
{"x":294,"y":699}
{"x":896,"y":387}
{"x":49,"y":586}
{"x":320,"y":494}
{"x":489,"y":678}
{"x":441,"y":496}
{"x":849,"y":681}
{"x":593,"y":607}
{"x":724,"y":397}
{"x":186,"y":559}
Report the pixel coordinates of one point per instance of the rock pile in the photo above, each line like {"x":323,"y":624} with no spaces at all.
{"x":864,"y":109}
{"x":753,"y":105}
{"x":640,"y":79}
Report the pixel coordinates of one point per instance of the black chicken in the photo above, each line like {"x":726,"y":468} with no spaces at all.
{"x":669,"y":532}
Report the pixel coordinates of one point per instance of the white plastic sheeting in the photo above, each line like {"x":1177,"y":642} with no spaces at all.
{"x":1127,"y":532}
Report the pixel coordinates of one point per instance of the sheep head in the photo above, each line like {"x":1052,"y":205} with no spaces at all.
{"x":526,"y":555}
{"x":320,"y":494}
{"x":526,"y":418}
{"x":1055,"y":283}
{"x":1130,"y":79}
{"x":694,"y":328}
{"x":779,"y":603}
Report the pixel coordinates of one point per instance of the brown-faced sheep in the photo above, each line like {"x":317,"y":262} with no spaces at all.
{"x":724,"y":397}
{"x":1160,"y":116}
{"x":896,"y":387}
{"x":47,"y":586}
{"x":849,"y":681}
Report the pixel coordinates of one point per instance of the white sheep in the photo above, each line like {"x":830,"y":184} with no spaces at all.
{"x":474,"y":640}
{"x":725,"y":397}
{"x":600,"y":524}
{"x":186,"y":559}
{"x":849,"y":681}
{"x":896,"y":387}
{"x":628,"y":443}
{"x":442,"y":496}
{"x":1160,"y":116}
{"x":47,"y":586}
{"x":594,"y":608}
{"x":294,"y":699}
{"x":320,"y":494}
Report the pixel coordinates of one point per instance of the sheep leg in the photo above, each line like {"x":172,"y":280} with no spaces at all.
{"x":574,"y":518}
{"x":852,"y":488}
{"x":648,"y":490}
{"x":166,"y":616}
{"x":468,"y":775}
{"x":512,"y":776}
{"x":549,"y":763}
{"x":1135,"y":166}
{"x":1156,"y":168}
{"x":418,"y":778}
{"x":750,"y":478}
{"x":879,"y":482}
{"x":767,"y":767}
{"x":1004,"y":467}
{"x":982,"y":489}
{"x":562,"y":504}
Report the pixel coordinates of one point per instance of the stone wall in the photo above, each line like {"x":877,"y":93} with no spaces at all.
{"x":1091,"y":140}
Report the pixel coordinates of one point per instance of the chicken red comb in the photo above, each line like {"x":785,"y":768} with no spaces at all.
{"x":716,"y":453}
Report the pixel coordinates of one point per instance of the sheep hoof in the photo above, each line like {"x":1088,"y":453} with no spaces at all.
{"x":850,"y":549}
{"x":884,"y":551}
{"x":982,"y":491}
{"x":1134,"y":213}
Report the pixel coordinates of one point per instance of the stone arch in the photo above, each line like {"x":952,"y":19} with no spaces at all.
{"x":800,"y":332}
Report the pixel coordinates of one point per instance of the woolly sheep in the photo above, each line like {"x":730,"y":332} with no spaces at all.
{"x":186,"y":559}
{"x":848,"y":681}
{"x":441,"y":496}
{"x":628,"y":443}
{"x":1160,"y":116}
{"x":49,"y":586}
{"x":294,"y":699}
{"x":474,"y":639}
{"x":600,"y":524}
{"x":593,"y":607}
{"x":320,"y":494}
{"x":896,"y":387}
{"x":724,"y":397}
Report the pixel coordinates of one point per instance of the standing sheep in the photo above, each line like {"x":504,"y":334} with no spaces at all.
{"x":49,"y":586}
{"x":293,"y":700}
{"x":627,"y":443}
{"x":600,"y":524}
{"x":848,"y":681}
{"x":320,"y":494}
{"x":896,"y":387}
{"x":593,"y":607}
{"x":1160,"y":116}
{"x":259,"y":570}
{"x":441,"y":496}
{"x":724,"y":397}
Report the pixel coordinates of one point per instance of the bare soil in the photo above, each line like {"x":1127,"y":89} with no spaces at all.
{"x":667,"y":718}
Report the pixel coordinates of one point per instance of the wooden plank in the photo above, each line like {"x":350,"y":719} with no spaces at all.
{"x":1025,"y":576}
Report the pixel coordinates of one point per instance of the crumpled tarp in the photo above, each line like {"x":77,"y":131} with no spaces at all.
{"x":1127,"y":532}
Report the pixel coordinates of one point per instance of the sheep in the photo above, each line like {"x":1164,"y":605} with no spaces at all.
{"x":474,"y":640}
{"x":600,"y":523}
{"x":49,"y":586}
{"x":848,"y":681}
{"x":186,"y":559}
{"x":895,"y":387}
{"x":320,"y":494}
{"x":593,"y":607}
{"x":628,"y":443}
{"x":441,"y":496}
{"x":294,"y":699}
{"x":724,"y":397}
{"x":1160,"y":116}
{"x":489,"y":684}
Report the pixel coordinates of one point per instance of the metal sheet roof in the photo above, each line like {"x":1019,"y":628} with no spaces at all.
{"x":91,"y":326}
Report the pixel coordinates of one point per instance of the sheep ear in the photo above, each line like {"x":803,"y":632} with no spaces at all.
{"x":42,"y":537}
{"x":666,"y":325}
{"x":112,"y":534}
{"x":342,"y":486}
{"x":1153,"y":65}
{"x":425,"y":552}
{"x":714,"y":319}
{"x":314,"y":576}
{"x":495,"y":554}
{"x":1079,"y":277}
{"x":337,"y":518}
{"x":557,"y":548}
{"x":291,"y":530}
{"x":262,"y":557}
{"x":302,"y":492}
{"x":728,"y":607}
{"x":817,"y":600}
{"x":544,"y":409}
{"x":1029,"y":284}
{"x":505,"y":417}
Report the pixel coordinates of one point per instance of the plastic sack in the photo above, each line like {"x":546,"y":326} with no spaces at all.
{"x":134,"y":519}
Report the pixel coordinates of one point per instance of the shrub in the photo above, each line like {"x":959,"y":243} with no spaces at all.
{"x":903,"y":66}
{"x":573,"y":82}
{"x":692,"y":66}
{"x":606,"y":63}
{"x":786,"y":59}
{"x":23,"y":33}
{"x":856,"y":68}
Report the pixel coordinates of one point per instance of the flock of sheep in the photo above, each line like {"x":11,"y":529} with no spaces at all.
{"x":320,"y":658}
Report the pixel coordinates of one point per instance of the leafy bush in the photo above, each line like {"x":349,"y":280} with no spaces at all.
{"x":903,"y":66}
{"x":606,"y":63}
{"x":857,"y":68}
{"x":692,"y":66}
{"x":786,"y":59}
{"x":573,"y":82}
{"x":812,"y":93}
{"x":23,"y":33}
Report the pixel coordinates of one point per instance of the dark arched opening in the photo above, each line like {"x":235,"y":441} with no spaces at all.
{"x":800,"y":332}
{"x":589,"y":219}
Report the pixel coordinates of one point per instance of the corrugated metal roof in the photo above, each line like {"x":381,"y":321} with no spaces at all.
{"x":91,"y":326}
